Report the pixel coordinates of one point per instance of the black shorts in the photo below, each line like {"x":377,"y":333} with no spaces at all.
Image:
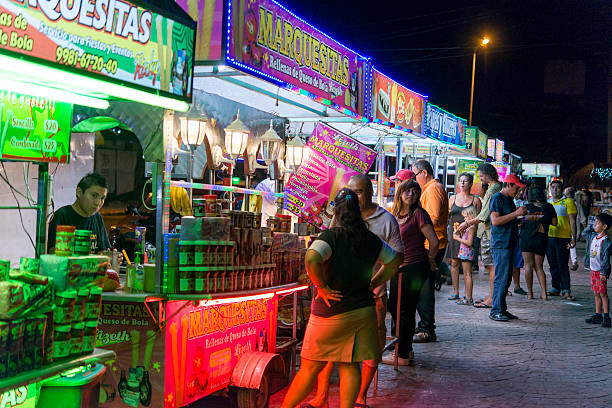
{"x":536,"y":243}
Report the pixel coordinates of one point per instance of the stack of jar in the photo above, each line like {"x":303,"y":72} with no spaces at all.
{"x":199,"y":260}
{"x":280,"y":223}
{"x":71,"y":241}
{"x":75,"y":319}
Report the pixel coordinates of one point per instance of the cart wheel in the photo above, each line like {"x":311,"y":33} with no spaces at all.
{"x":255,"y":398}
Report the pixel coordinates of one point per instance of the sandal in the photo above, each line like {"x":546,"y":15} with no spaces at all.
{"x":481,"y":305}
{"x":466,"y":302}
{"x":454,"y":297}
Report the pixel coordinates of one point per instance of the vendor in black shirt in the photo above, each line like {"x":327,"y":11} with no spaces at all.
{"x":83,"y":213}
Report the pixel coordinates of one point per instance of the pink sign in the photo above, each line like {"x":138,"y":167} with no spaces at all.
{"x":268,"y":39}
{"x":330,"y":159}
{"x":205,"y":341}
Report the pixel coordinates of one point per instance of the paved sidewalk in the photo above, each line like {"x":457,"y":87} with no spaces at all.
{"x":548,"y":358}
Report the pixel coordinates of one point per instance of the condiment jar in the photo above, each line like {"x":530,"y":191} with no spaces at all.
{"x":187,"y":253}
{"x":76,"y":338}
{"x":210,"y":206}
{"x":92,"y":307}
{"x":64,"y":240}
{"x":61,"y":341}
{"x":82,"y":242}
{"x":89,"y":335}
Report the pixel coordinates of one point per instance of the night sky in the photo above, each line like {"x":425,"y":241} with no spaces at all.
{"x":541,"y":86}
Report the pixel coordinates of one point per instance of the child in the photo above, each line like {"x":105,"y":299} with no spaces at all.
{"x":597,"y":259}
{"x":467,"y":254}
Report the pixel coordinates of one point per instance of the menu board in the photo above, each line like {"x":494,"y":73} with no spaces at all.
{"x":116,"y":39}
{"x":34,"y":129}
{"x":269,"y":40}
{"x":444,"y":126}
{"x":471,"y":166}
{"x":205,"y":340}
{"x":330,"y":159}
{"x":499,"y":150}
{"x":394,"y":103}
{"x":482,"y":144}
{"x":491,"y":148}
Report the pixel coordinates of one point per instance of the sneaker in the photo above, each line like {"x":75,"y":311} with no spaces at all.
{"x":424,"y":337}
{"x":595,"y":319}
{"x":390,"y":359}
{"x":519,"y":291}
{"x":499,"y":317}
{"x":510,"y":315}
{"x":606,"y":322}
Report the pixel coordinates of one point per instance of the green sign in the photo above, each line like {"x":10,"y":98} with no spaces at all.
{"x":34,"y":129}
{"x":20,"y":397}
{"x":120,"y":40}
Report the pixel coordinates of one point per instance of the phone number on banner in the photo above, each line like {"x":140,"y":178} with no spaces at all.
{"x":85,"y":60}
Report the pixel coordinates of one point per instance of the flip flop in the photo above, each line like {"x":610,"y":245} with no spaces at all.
{"x":454,"y":297}
{"x":480,"y":305}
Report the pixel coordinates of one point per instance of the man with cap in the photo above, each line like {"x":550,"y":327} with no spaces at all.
{"x":403,"y":175}
{"x":504,"y":240}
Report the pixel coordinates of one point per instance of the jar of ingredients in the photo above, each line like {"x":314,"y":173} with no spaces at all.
{"x":76,"y":338}
{"x":200,"y":281}
{"x":187,"y":253}
{"x":82,"y":242}
{"x":64,"y":240}
{"x":199,"y":253}
{"x":92,"y":307}
{"x":79,"y":305}
{"x":228,"y":214}
{"x":186,"y":280}
{"x":257,"y":220}
{"x":210,"y":209}
{"x":248,"y":219}
{"x":285,"y":223}
{"x":89,"y":335}
{"x":64,"y":307}
{"x":61,"y":341}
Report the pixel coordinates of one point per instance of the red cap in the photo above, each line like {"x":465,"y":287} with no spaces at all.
{"x":511,"y":178}
{"x":403,"y":175}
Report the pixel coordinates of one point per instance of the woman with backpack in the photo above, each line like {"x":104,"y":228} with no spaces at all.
{"x":533,"y":240}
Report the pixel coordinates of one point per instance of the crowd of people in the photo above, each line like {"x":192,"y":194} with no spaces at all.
{"x":512,"y":226}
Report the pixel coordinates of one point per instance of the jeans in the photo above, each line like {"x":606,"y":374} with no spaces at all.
{"x":427,"y":301}
{"x":413,"y":278}
{"x":503,"y":259}
{"x":558,"y":258}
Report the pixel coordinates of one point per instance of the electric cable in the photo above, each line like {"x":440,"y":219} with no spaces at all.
{"x":12,"y":189}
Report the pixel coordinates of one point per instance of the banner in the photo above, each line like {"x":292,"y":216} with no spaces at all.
{"x":209,"y":37}
{"x":268,"y":39}
{"x":116,"y":39}
{"x":444,"y":126}
{"x":499,"y":150}
{"x":330,"y":159}
{"x":471,"y":140}
{"x":34,"y":129}
{"x":136,"y":377}
{"x":491,"y":148}
{"x":394,"y":103}
{"x":205,"y":341}
{"x":482,"y":144}
{"x":471,"y":166}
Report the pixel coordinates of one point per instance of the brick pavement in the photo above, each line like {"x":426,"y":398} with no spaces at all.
{"x":548,"y":358}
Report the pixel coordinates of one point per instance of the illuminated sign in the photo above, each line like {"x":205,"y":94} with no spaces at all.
{"x":471,"y":140}
{"x":471,"y":166}
{"x":491,"y":148}
{"x":269,"y":41}
{"x":117,"y":39}
{"x":482,"y":144}
{"x":34,"y":129}
{"x":20,"y":397}
{"x":444,"y":126}
{"x":394,"y":104}
{"x":499,"y":150}
{"x":209,"y":36}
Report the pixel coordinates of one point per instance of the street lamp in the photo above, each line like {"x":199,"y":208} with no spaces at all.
{"x":193,"y":132}
{"x":483,"y":43}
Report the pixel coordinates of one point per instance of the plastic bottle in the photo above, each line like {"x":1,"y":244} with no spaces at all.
{"x":139,"y":275}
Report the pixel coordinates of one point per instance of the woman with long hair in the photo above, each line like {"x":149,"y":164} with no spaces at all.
{"x":457,"y":203}
{"x":342,"y":326}
{"x":533,"y":240}
{"x":415,"y":228}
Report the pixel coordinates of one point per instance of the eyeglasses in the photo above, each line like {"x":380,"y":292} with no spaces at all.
{"x":419,"y":172}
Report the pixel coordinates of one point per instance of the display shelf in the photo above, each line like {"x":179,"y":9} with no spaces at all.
{"x":228,"y":189}
{"x":42,"y":373}
{"x":286,"y":288}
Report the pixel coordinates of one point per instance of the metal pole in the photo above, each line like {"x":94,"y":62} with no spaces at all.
{"x":381,"y":168}
{"x":472,"y":88}
{"x":41,"y":213}
{"x":398,"y":155}
{"x":161,"y":225}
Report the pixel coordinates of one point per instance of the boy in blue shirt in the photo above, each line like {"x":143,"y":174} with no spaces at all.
{"x":597,"y":259}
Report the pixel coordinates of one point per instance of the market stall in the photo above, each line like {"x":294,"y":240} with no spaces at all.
{"x":52,"y":67}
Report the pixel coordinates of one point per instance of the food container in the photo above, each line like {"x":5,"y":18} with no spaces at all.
{"x":229,"y":214}
{"x":240,"y":219}
{"x":210,"y":205}
{"x":64,"y":307}
{"x":139,"y":244}
{"x":92,"y":307}
{"x":200,"y":281}
{"x":28,"y":265}
{"x":61,"y":341}
{"x":5,"y":269}
{"x":200,"y":252}
{"x":76,"y":338}
{"x":257,"y":220}
{"x":186,"y":280}
{"x":248,"y":219}
{"x":285,"y":223}
{"x":187,"y":253}
{"x":89,"y":335}
{"x":64,"y":240}
{"x":82,"y":242}
{"x":79,"y":305}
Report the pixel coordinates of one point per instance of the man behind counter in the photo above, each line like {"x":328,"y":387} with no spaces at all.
{"x":83,"y":213}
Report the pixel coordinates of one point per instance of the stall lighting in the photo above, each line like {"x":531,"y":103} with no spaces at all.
{"x":235,"y":180}
{"x":295,"y":152}
{"x":236,"y":137}
{"x":215,"y":302}
{"x":269,"y":145}
{"x":92,"y":86}
{"x":228,"y":189}
{"x":193,"y":130}
{"x":287,"y":291}
{"x":52,"y":93}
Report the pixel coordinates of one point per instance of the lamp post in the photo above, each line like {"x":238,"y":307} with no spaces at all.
{"x":483,"y":43}
{"x":295,"y":152}
{"x":193,"y":131}
{"x":236,"y":138}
